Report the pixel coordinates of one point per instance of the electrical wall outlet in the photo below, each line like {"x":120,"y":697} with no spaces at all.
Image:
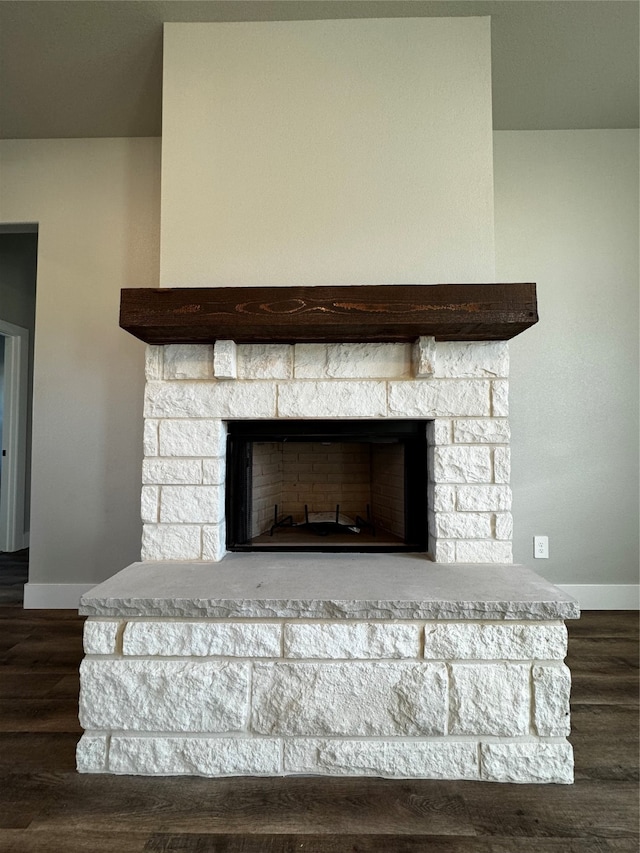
{"x":541,"y":547}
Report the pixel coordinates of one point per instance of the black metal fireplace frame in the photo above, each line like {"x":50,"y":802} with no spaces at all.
{"x":411,"y":433}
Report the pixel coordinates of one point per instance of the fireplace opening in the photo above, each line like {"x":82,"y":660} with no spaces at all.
{"x":323,"y":485}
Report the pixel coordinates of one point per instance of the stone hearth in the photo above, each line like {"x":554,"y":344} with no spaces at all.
{"x":358,"y":665}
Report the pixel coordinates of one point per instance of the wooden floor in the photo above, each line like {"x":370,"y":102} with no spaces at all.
{"x":46,"y":806}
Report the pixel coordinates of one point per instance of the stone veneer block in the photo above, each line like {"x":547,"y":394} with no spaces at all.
{"x":100,"y":636}
{"x":202,"y":639}
{"x":210,"y":400}
{"x":489,"y":699}
{"x":150,"y":437}
{"x":195,"y":756}
{"x":91,"y":753}
{"x":442,"y":497}
{"x":462,"y":464}
{"x":162,"y":695}
{"x":527,"y":762}
{"x":206,"y":437}
{"x":214,"y":471}
{"x":483,"y":551}
{"x":149,"y":503}
{"x":327,"y":586}
{"x":332,"y":399}
{"x":225,"y":362}
{"x":171,"y":542}
{"x":393,"y":760}
{"x":504,"y":525}
{"x":457,"y":360}
{"x":172,"y":471}
{"x":462,"y":641}
{"x":365,"y":640}
{"x":265,"y":361}
{"x":153,"y":362}
{"x":188,"y":361}
{"x":502,"y":465}
{"x":551,"y":689}
{"x":462,"y":525}
{"x":500,"y":399}
{"x":366,"y":361}
{"x":419,"y":399}
{"x":480,"y":498}
{"x":483,"y":431}
{"x":192,"y":504}
{"x":373,"y":699}
{"x":214,"y":538}
{"x":424,"y":357}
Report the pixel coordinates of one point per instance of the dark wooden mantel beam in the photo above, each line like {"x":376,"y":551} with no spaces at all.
{"x":382,"y":313}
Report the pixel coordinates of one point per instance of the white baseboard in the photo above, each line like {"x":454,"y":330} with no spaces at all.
{"x":604,"y":596}
{"x":54,"y":596}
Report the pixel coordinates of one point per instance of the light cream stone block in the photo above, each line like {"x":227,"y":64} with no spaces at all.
{"x":225,"y":361}
{"x":445,"y":552}
{"x":191,"y":504}
{"x":457,"y":360}
{"x":368,"y":361}
{"x":484,"y":551}
{"x":551,"y":690}
{"x":489,"y":699}
{"x":172,"y":471}
{"x":477,"y":641}
{"x":442,"y":498}
{"x":153,"y":362}
{"x":349,"y":699}
{"x":500,"y":399}
{"x":424,"y":357}
{"x":479,"y":498}
{"x":202,"y":639}
{"x":188,"y":361}
{"x":441,"y":432}
{"x":364,"y":640}
{"x":213,"y":471}
{"x":332,"y":399}
{"x":91,"y":753}
{"x":527,"y":762}
{"x":206,"y":437}
{"x":462,"y":525}
{"x":214,"y":541}
{"x":310,"y":361}
{"x":265,"y":361}
{"x":416,"y":759}
{"x":150,"y":438}
{"x":438,"y":399}
{"x":210,"y":400}
{"x":504,"y":525}
{"x":481,"y":431}
{"x":149,"y":502}
{"x":194,"y":756}
{"x":502,"y":465}
{"x":171,"y":542}
{"x":462,"y":464}
{"x":100,"y":636}
{"x":164,"y":696}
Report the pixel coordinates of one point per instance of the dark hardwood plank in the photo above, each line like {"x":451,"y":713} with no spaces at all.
{"x":400,"y":312}
{"x":46,"y":806}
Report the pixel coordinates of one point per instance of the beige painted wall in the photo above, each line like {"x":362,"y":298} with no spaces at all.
{"x":327,"y":152}
{"x":97,"y":205}
{"x":567,"y":218}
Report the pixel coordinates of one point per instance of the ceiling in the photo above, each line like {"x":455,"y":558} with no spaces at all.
{"x":93,"y":68}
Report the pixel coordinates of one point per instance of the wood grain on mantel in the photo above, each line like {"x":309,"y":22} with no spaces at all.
{"x":376,"y":313}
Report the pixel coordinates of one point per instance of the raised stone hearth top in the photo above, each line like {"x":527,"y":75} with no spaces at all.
{"x":328,"y":586}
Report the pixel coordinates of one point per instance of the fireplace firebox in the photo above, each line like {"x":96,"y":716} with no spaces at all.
{"x":327,"y":485}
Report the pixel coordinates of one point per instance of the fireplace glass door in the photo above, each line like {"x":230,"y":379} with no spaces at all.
{"x":317,"y":485}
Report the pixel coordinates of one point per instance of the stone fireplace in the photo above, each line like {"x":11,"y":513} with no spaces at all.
{"x":445,"y":662}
